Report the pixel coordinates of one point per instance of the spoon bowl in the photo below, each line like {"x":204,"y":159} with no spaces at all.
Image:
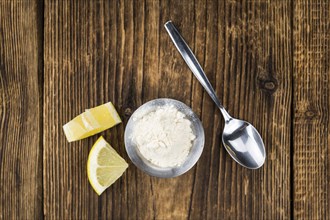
{"x":241,"y":139}
{"x":244,"y":144}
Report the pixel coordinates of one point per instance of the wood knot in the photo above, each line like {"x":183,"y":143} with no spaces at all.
{"x":309,"y":114}
{"x":268,"y":85}
{"x":128,"y":112}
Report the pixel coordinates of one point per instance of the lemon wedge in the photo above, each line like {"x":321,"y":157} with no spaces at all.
{"x":91,"y":122}
{"x":104,"y":166}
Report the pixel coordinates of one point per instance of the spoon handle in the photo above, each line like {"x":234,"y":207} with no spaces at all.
{"x":194,"y":65}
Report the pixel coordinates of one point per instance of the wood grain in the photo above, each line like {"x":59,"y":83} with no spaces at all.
{"x":119,"y":51}
{"x":267,"y":60}
{"x":20,"y":110}
{"x":311,"y":109}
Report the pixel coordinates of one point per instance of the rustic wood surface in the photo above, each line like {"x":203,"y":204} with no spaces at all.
{"x":21,"y":191}
{"x":311,"y":137}
{"x":268,"y":61}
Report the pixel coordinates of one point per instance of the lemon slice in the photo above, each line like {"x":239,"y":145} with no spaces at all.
{"x":91,"y":122}
{"x":105,"y":116}
{"x":104,"y":166}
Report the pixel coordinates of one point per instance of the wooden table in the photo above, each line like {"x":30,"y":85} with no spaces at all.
{"x":269,"y":62}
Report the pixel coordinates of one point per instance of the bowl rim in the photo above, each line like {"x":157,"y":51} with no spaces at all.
{"x":194,"y":153}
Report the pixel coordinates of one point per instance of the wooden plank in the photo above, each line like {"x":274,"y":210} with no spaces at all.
{"x":20,"y":110}
{"x":88,"y":61}
{"x":119,"y":51}
{"x":311,"y":109}
{"x":247,"y":50}
{"x":174,"y":81}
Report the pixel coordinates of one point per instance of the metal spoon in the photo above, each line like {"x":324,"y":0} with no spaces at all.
{"x":241,"y":140}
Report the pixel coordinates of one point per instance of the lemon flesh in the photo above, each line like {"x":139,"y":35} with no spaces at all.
{"x":104,"y":166}
{"x":91,"y":122}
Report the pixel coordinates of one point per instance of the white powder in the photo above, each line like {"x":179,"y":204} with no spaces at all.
{"x":164,"y":136}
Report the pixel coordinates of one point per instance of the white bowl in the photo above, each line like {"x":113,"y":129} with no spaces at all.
{"x":152,"y":169}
